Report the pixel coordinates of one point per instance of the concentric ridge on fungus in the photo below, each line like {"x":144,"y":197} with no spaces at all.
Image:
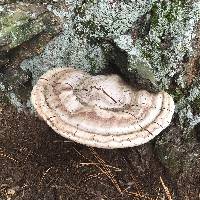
{"x":100,"y":111}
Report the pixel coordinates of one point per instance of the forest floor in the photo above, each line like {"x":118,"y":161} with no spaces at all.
{"x":36,"y":163}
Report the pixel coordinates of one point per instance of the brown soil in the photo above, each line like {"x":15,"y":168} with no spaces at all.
{"x":36,"y":163}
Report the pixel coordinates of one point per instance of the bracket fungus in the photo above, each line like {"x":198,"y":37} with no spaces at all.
{"x":100,"y":111}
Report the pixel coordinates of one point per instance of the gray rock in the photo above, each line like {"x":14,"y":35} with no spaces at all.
{"x":155,"y":45}
{"x":137,"y":72}
{"x":20,"y":22}
{"x":25,"y":28}
{"x":179,"y":152}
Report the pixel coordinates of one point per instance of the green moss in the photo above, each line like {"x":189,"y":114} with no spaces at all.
{"x":154,"y":15}
{"x":19,"y":27}
{"x":10,"y":21}
{"x":197,"y":101}
{"x":170,"y":13}
{"x":196,"y":104}
{"x":24,"y":32}
{"x":161,"y":48}
{"x":92,"y":62}
{"x":4,"y":99}
{"x":177,"y":94}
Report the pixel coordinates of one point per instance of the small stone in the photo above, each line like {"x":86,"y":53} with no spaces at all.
{"x":10,"y":192}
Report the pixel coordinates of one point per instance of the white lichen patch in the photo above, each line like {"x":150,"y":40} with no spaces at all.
{"x":16,"y":101}
{"x":177,"y":22}
{"x":2,"y":86}
{"x":114,"y":18}
{"x":185,"y":107}
{"x":68,"y":49}
{"x":71,"y":48}
{"x":125,"y":42}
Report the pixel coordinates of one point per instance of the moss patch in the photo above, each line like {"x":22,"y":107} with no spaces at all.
{"x":19,"y":27}
{"x":177,"y":94}
{"x":196,"y":105}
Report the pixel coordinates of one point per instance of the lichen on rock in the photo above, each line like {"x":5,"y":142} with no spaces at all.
{"x":20,"y":22}
{"x":157,"y":34}
{"x":162,"y":35}
{"x":170,"y":40}
{"x":154,"y":44}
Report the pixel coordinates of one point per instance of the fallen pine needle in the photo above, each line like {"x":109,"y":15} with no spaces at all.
{"x":101,"y":165}
{"x":2,"y":154}
{"x":167,"y":192}
{"x":115,"y":168}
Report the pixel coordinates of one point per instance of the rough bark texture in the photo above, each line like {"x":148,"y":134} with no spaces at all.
{"x":154,"y":45}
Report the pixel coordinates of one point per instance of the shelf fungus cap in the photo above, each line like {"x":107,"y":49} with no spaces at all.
{"x":100,"y":111}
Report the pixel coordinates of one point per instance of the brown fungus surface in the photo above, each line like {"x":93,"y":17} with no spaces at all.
{"x":100,"y":111}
